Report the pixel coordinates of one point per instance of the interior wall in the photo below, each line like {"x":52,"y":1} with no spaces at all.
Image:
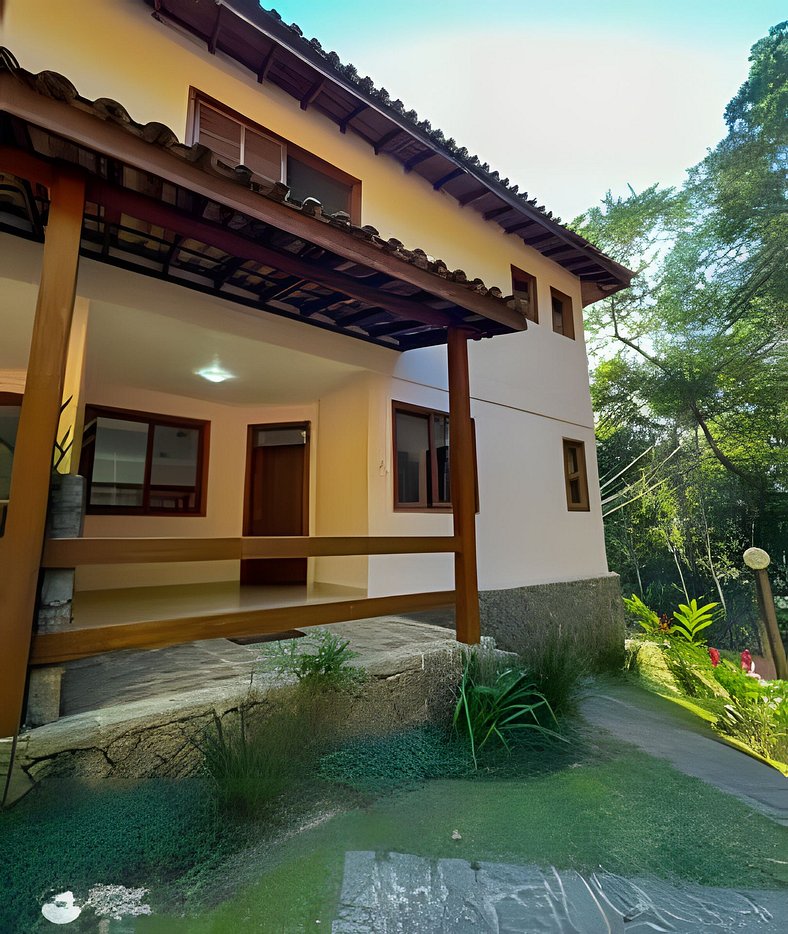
{"x":341,"y":492}
{"x":225,"y":497}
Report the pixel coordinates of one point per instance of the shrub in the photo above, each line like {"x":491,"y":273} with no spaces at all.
{"x":643,"y":615}
{"x":498,"y":703}
{"x":691,"y":669}
{"x":321,"y":658}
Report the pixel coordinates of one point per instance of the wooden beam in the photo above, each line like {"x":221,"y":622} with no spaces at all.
{"x":266,"y":64}
{"x":346,"y":121}
{"x":312,"y":93}
{"x":420,"y":157}
{"x":463,"y":483}
{"x":21,"y":163}
{"x":455,"y":173}
{"x":386,"y":139}
{"x":73,"y":552}
{"x":114,"y":142}
{"x":516,"y":227}
{"x":475,"y":195}
{"x":20,"y":546}
{"x":162,"y":215}
{"x":496,"y":212}
{"x":69,"y":644}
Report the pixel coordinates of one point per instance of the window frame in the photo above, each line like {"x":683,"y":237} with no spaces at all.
{"x":411,"y":408}
{"x":581,"y":475}
{"x":197,"y":97}
{"x":533,"y":299}
{"x":152,"y":419}
{"x":567,"y":313}
{"x":9,"y":398}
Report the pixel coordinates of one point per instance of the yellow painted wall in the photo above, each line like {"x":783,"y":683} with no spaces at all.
{"x":341,"y":494}
{"x":115,"y":49}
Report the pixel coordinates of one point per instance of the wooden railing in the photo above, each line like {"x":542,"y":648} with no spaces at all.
{"x":75,"y":642}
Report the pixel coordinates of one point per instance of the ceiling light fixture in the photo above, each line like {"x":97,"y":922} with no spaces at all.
{"x":215,"y":374}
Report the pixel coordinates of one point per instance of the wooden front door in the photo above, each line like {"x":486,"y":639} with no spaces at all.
{"x":277,"y":498}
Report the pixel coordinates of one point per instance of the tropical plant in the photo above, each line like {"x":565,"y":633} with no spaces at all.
{"x":690,"y":620}
{"x":691,"y":668}
{"x":498,"y":703}
{"x":321,"y":658}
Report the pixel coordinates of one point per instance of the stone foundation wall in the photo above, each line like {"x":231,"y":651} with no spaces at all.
{"x":585,"y":614}
{"x":155,"y":737}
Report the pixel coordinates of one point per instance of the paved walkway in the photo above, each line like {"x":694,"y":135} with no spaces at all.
{"x":663,"y":729}
{"x":173,"y":674}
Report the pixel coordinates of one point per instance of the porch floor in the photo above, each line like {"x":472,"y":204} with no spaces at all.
{"x":142,"y":604}
{"x":171,"y":674}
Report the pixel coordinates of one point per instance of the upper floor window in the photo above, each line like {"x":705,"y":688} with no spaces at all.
{"x":575,"y":476}
{"x":238,"y":141}
{"x":524,"y":289}
{"x":563,"y":314}
{"x":136,"y":463}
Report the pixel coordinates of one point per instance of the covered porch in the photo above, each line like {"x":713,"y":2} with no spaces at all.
{"x":86,"y":181}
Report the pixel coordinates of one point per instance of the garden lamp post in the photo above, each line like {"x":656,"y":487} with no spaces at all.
{"x":758,"y":560}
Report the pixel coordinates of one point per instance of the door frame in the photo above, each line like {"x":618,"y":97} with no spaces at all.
{"x":304,"y":425}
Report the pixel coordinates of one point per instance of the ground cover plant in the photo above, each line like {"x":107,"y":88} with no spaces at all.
{"x":253,"y":756}
{"x":606,"y":806}
{"x":321,"y":658}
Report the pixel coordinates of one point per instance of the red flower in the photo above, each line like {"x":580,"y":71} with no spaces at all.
{"x":714,"y":655}
{"x":746,"y":660}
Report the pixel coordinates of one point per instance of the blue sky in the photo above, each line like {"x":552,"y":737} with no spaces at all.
{"x":566,"y":98}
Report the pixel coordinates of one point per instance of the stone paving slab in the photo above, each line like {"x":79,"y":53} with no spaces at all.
{"x":398,"y":893}
{"x":664,"y":729}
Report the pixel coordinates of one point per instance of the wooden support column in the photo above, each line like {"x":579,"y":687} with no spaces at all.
{"x":463,"y":486}
{"x":22,"y":543}
{"x":72,"y":420}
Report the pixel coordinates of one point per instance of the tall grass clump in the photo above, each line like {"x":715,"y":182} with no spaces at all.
{"x":559,"y":668}
{"x":250,"y":765}
{"x":498,"y":704}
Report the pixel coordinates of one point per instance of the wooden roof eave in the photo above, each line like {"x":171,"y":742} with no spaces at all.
{"x":85,"y":128}
{"x":280,"y":34}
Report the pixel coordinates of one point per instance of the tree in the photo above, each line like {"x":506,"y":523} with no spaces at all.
{"x":690,"y":382}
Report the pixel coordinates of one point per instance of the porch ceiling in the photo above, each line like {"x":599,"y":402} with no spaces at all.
{"x":146,"y":349}
{"x":177,"y":213}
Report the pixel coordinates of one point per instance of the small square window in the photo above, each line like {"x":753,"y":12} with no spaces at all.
{"x":575,"y":476}
{"x":563,"y":314}
{"x":524,"y":290}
